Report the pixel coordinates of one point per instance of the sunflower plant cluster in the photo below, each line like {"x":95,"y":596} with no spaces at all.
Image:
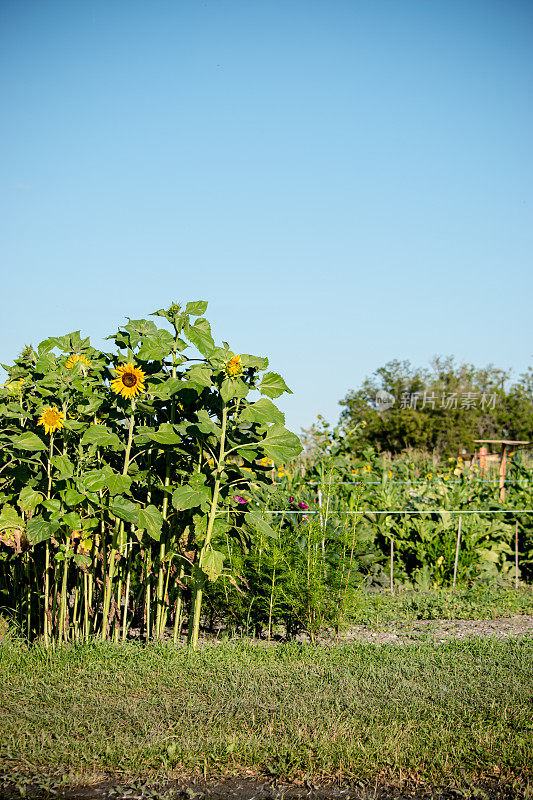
{"x":120,"y":472}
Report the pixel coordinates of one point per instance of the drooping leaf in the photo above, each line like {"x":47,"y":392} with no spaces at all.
{"x":10,"y":519}
{"x":199,"y":335}
{"x":29,"y":499}
{"x":151,"y":520}
{"x":258,"y":524}
{"x":64,"y":466}
{"x":213,"y":563}
{"x":233,"y":387}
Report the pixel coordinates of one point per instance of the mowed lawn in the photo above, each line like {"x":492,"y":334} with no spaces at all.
{"x":354,"y":712}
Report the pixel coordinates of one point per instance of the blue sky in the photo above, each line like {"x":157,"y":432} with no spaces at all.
{"x":345,"y":182}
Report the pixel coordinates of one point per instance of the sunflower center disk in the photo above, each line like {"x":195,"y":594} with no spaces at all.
{"x":129,"y":379}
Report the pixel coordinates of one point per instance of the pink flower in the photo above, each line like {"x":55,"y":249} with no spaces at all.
{"x":239,"y":499}
{"x":303,"y":506}
{"x":305,"y":518}
{"x":291,"y":499}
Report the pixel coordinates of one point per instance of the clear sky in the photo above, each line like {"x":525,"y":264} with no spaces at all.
{"x":346,"y":182}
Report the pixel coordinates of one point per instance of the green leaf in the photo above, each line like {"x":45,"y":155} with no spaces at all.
{"x":199,"y":335}
{"x":254,"y":361}
{"x":81,"y":560}
{"x":29,"y":441}
{"x":29,"y":499}
{"x":165,"y":389}
{"x":233,"y":387}
{"x":280,"y":444}
{"x":94,"y":480}
{"x":72,"y":497}
{"x":185,"y":497}
{"x":196,"y":307}
{"x":54,"y":506}
{"x":212,"y":564}
{"x":40,"y":530}
{"x":10,"y":519}
{"x":72,"y":521}
{"x":165,"y":434}
{"x":258,"y":524}
{"x":118,"y":484}
{"x":263,"y":411}
{"x":100,"y":435}
{"x":206,"y":425}
{"x":45,"y":363}
{"x":124,"y":509}
{"x":151,"y":520}
{"x":273,"y":385}
{"x":200,"y":375}
{"x":157,"y":346}
{"x":64,"y":467}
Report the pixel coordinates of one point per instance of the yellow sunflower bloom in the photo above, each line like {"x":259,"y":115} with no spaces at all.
{"x":52,"y":419}
{"x":234,"y":367}
{"x":130,"y":381}
{"x":78,"y":358}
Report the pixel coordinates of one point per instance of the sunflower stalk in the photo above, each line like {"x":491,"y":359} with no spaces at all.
{"x":162,"y":608}
{"x":194,"y":625}
{"x":116,"y":532}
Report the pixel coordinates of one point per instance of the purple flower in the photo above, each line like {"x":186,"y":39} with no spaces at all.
{"x":239,"y":499}
{"x":291,"y":499}
{"x":305,"y":518}
{"x":303,"y":506}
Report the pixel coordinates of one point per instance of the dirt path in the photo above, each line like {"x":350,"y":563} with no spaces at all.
{"x":437,"y":631}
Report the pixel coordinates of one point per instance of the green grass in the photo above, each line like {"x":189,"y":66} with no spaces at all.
{"x":424,"y":713}
{"x":479,"y":602}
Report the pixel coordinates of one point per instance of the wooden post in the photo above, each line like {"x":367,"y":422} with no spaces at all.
{"x":516,"y":555}
{"x":503,"y":470}
{"x":457,"y":552}
{"x":391,"y":565}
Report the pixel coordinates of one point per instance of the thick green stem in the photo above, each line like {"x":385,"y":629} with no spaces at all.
{"x":114,"y":545}
{"x":63,"y":604}
{"x":194,"y":625}
{"x":46,"y":620}
{"x":161,"y":617}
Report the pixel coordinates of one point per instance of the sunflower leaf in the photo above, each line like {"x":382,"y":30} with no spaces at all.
{"x":102,"y":436}
{"x":29,"y":441}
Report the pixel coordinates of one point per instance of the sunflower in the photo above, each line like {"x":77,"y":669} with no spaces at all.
{"x":78,"y":358}
{"x":234,"y":367}
{"x":52,"y":419}
{"x":130,"y":381}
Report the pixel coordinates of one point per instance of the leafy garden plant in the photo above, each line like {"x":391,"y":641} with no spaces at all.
{"x":125,"y":474}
